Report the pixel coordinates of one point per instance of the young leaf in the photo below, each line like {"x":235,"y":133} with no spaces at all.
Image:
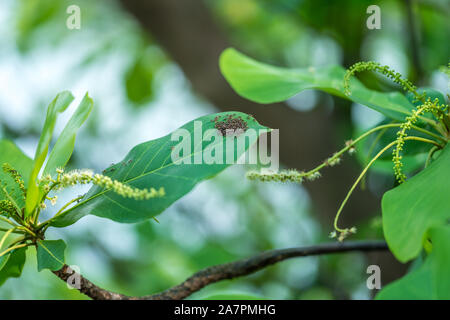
{"x":150,"y":165}
{"x":432,"y":279}
{"x":264,"y":83}
{"x":11,"y":265}
{"x":11,"y":154}
{"x":410,"y":209}
{"x":61,"y":152}
{"x":58,"y":105}
{"x":50,"y":254}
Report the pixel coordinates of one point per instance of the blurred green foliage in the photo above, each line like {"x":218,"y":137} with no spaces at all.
{"x":226,"y":218}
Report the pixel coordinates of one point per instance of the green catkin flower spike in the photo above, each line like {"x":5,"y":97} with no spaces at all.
{"x":293,"y":175}
{"x":432,"y":107}
{"x":76,"y":177}
{"x":282,"y":176}
{"x":385,"y":70}
{"x":7,"y":208}
{"x":8,"y":169}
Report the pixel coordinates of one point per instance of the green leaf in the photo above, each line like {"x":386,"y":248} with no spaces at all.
{"x":50,"y":254}
{"x":440,"y":255}
{"x":10,"y":153}
{"x":62,"y":151}
{"x":58,"y":105}
{"x":11,"y":265}
{"x":150,"y":165}
{"x":429,"y":281}
{"x":410,"y":209}
{"x":416,"y":285}
{"x":264,"y":83}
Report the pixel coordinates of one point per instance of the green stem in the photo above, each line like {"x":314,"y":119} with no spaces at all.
{"x":379,"y":154}
{"x":18,"y":211}
{"x":369,"y":153}
{"x":13,"y":248}
{"x":55,"y":183}
{"x":431,"y":134}
{"x":8,"y":221}
{"x":430,"y":155}
{"x":66,"y":205}
{"x":15,"y":231}
{"x":18,"y":240}
{"x":59,"y":212}
{"x":5,"y":236}
{"x":363,"y":136}
{"x":27,"y":230}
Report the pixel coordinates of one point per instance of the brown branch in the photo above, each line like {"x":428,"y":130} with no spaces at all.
{"x":225,"y":271}
{"x":87,"y":287}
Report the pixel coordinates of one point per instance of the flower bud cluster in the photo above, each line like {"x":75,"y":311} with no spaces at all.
{"x":283,"y":176}
{"x":428,"y":106}
{"x":385,"y":70}
{"x":77,"y":177}
{"x":16,"y":177}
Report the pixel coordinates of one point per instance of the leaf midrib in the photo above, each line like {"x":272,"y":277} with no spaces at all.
{"x":50,"y":253}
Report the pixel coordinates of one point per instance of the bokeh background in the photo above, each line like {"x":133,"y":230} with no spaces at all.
{"x":151,"y":66}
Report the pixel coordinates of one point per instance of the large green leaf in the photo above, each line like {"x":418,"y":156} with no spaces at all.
{"x":429,"y":281}
{"x":150,"y":165}
{"x":50,"y":254}
{"x":62,"y":151}
{"x":264,"y":83}
{"x":58,"y":105}
{"x":440,"y":239}
{"x":12,"y":264}
{"x":416,"y":285}
{"x":10,"y":153}
{"x":410,"y":209}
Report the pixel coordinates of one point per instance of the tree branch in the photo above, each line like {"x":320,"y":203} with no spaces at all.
{"x":225,"y":271}
{"x":87,"y":287}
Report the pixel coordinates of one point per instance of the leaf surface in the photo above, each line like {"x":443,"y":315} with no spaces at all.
{"x":11,"y":265}
{"x":264,"y":83}
{"x":50,"y":254}
{"x":418,"y":204}
{"x":11,"y":154}
{"x":62,"y":151}
{"x":150,"y":165}
{"x":58,"y":105}
{"x":429,"y":281}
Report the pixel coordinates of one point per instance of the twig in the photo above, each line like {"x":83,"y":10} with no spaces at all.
{"x":225,"y":271}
